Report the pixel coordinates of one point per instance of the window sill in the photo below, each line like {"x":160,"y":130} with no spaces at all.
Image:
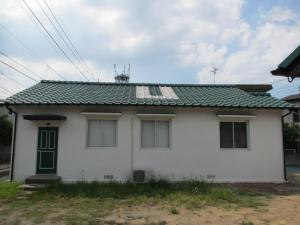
{"x":235,"y":149}
{"x":100,"y":148}
{"x":156,"y":149}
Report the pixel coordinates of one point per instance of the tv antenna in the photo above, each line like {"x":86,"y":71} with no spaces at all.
{"x":214,"y":71}
{"x":122,"y":77}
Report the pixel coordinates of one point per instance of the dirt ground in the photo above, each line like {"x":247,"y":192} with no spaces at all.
{"x":282,"y":208}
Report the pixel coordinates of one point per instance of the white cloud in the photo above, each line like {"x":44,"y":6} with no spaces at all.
{"x":184,"y":34}
{"x":280,"y":14}
{"x":214,"y":21}
{"x":206,"y":29}
{"x":11,"y":10}
{"x":201,"y":54}
{"x":15,"y":82}
{"x":270,"y":44}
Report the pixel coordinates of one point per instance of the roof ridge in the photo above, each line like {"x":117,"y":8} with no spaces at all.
{"x":148,"y":84}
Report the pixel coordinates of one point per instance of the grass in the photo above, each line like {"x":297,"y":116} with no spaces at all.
{"x":8,"y":189}
{"x":192,"y":194}
{"x":87,"y":203}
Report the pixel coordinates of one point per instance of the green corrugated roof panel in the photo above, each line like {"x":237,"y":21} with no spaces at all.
{"x":89,"y":93}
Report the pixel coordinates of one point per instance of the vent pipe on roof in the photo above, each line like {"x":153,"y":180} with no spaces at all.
{"x":122,"y":77}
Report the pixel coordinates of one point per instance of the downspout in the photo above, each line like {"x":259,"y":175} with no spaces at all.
{"x":12,"y":163}
{"x":282,"y":124}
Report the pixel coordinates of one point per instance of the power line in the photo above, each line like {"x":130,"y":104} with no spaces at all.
{"x":60,"y":35}
{"x":8,"y":91}
{"x":37,"y":25}
{"x":18,"y":63}
{"x":3,"y":92}
{"x":10,"y":78}
{"x":30,"y":50}
{"x":52,"y":38}
{"x":18,"y":71}
{"x":71,"y":46}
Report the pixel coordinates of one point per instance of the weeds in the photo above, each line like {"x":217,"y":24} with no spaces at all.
{"x":8,"y":189}
{"x":174,"y":211}
{"x":193,"y":194}
{"x":89,"y":203}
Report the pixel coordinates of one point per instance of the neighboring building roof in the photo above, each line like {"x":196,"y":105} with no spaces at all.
{"x":93,"y":93}
{"x":290,"y":66}
{"x":290,"y":59}
{"x":291,"y":98}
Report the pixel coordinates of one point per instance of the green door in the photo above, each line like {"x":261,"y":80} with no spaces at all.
{"x":47,"y":150}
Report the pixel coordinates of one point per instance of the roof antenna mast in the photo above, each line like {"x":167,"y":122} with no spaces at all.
{"x":122,"y":77}
{"x":214,"y":71}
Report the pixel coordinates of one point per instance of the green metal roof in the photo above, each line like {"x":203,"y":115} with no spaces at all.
{"x":93,"y":93}
{"x":290,"y":58}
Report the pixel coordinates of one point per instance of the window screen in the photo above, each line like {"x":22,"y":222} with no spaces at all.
{"x":233,"y":135}
{"x":155,"y":134}
{"x":101,"y":133}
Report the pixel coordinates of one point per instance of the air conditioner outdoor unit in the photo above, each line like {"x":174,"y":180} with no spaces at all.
{"x":142,"y":175}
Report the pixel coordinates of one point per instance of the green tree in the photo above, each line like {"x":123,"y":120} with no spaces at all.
{"x":5,"y":130}
{"x":291,"y":133}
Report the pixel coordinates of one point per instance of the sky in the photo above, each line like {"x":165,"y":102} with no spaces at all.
{"x":165,"y":41}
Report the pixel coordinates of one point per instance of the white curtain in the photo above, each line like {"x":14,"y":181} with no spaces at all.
{"x":94,"y":133}
{"x":155,"y":134}
{"x":162,"y":134}
{"x":148,"y":134}
{"x":109,"y":133}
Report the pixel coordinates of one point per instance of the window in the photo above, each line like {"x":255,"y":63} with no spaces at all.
{"x":233,"y":135}
{"x":102,"y":133}
{"x":155,"y":134}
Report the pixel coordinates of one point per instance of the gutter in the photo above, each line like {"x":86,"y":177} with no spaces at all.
{"x":12,"y":163}
{"x":282,"y":124}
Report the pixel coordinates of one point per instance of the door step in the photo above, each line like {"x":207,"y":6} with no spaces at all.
{"x":43,"y":179}
{"x":32,"y":187}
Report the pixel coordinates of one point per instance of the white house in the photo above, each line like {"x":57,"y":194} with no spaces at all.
{"x":103,"y":131}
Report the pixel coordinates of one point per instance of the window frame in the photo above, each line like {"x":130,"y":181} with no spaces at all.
{"x":233,"y":140}
{"x":155,"y":120}
{"x":87,"y":133}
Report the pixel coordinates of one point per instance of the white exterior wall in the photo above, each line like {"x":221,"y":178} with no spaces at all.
{"x":194,"y":154}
